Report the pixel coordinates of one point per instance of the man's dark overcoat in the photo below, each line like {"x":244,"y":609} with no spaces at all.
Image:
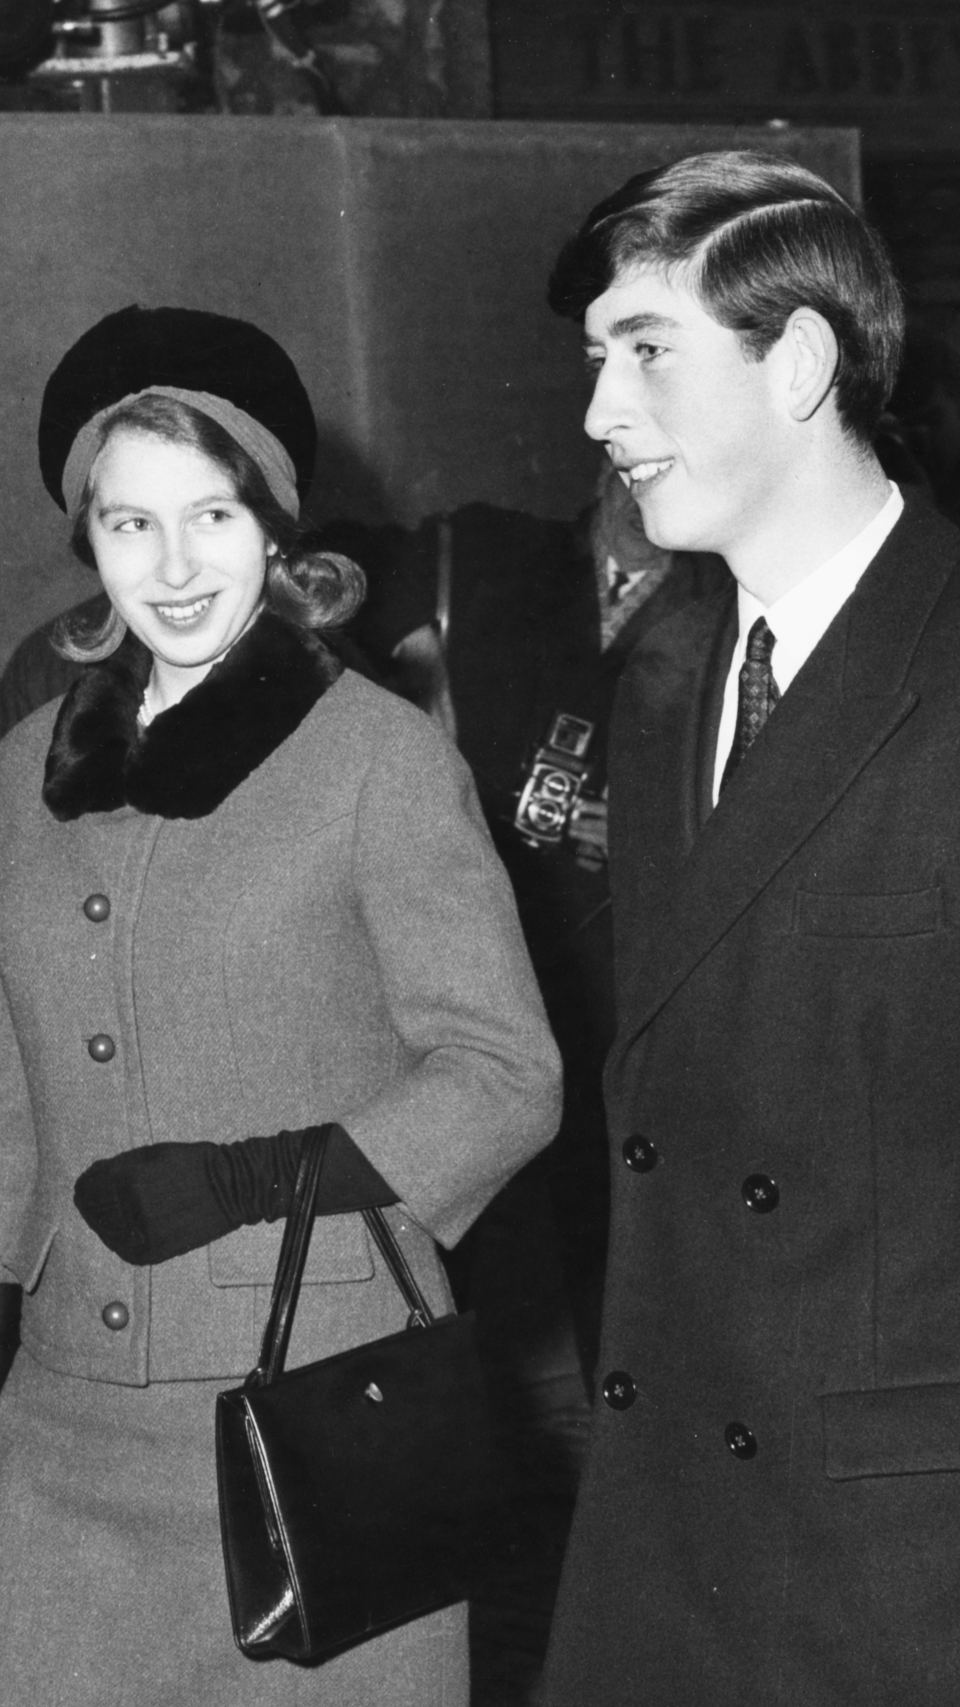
{"x":771,"y":1510}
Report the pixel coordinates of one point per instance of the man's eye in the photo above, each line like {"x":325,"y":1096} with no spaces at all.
{"x":648,"y":352}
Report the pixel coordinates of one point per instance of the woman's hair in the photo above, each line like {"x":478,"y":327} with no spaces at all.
{"x":758,"y":237}
{"x":312,"y":590}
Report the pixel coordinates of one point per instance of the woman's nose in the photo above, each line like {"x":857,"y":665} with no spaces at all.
{"x":176,"y":566}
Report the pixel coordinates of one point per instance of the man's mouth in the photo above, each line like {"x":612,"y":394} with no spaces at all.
{"x":182,"y":615}
{"x":643,"y":472}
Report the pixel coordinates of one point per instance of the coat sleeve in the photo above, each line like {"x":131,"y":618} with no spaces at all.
{"x":481,"y":1090}
{"x":25,"y":1230}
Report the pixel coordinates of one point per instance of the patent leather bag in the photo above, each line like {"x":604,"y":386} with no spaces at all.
{"x":361,"y":1491}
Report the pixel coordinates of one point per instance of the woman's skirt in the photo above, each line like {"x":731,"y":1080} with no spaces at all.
{"x":112,"y":1590}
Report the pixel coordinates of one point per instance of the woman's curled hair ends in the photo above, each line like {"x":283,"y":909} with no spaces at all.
{"x":311,"y":589}
{"x":314,"y":589}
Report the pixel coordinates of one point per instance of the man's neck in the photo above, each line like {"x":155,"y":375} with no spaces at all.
{"x":822,"y":510}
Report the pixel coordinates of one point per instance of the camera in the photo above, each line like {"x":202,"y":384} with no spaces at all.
{"x":555,"y":780}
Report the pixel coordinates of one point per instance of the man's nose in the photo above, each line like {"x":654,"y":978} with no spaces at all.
{"x":612,"y":405}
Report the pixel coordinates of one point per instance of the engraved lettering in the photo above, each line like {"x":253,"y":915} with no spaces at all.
{"x":590,"y":56}
{"x":703,"y":50}
{"x":841,"y":57}
{"x":923,"y":53}
{"x":797,"y":72}
{"x":886,"y":61}
{"x":649,"y":59}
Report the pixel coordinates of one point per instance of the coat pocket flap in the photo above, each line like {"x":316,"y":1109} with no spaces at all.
{"x":26,"y":1260}
{"x":915,"y":912}
{"x":339,"y":1250}
{"x":891,"y":1431}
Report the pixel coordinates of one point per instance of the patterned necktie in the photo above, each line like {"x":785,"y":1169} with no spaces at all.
{"x":758,"y":695}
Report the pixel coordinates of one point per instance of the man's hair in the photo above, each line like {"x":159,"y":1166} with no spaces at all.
{"x":757,"y":237}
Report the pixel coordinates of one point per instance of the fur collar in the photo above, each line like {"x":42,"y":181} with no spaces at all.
{"x":190,"y":758}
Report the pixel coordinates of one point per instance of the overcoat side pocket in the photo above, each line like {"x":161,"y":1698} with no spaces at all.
{"x":891,"y":1431}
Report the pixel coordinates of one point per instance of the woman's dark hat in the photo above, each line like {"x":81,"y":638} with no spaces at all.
{"x":189,"y":350}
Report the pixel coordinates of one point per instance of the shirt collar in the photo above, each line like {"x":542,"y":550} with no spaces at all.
{"x":801,"y":617}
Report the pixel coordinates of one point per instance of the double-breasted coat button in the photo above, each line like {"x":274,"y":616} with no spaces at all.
{"x":97,"y":908}
{"x":741,"y":1442}
{"x":760,"y":1193}
{"x":115,"y":1316}
{"x":101,"y":1047}
{"x":619,"y":1390}
{"x":639,"y":1154}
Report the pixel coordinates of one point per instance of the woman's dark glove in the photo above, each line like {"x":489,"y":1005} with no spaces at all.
{"x":162,"y":1200}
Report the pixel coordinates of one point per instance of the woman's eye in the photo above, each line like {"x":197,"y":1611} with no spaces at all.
{"x":216,"y":515}
{"x":132,"y":524}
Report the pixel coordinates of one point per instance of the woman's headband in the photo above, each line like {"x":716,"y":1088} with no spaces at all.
{"x":273,"y":461}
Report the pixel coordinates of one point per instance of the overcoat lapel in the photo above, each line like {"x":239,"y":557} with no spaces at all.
{"x":844,"y":704}
{"x":658,"y":736}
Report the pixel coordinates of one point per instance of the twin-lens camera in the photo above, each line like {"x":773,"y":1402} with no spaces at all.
{"x":556,"y":780}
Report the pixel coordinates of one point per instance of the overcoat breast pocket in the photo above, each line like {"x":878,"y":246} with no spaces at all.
{"x":902,"y":913}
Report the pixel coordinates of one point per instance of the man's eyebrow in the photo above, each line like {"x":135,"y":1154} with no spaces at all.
{"x":630,"y":324}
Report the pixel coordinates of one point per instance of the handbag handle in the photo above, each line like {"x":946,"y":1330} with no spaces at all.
{"x":293,"y":1256}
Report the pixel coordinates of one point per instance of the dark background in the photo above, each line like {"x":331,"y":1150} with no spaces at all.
{"x":402,"y":262}
{"x":391,"y":212}
{"x":889,"y":67}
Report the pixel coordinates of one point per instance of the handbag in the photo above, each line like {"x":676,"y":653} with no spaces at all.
{"x":361,"y":1491}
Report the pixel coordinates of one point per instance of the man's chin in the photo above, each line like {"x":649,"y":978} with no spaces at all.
{"x":667,"y":534}
{"x":668,"y":531}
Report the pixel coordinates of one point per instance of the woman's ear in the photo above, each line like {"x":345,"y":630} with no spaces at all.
{"x":812,"y":358}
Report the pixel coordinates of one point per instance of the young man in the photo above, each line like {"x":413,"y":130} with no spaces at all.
{"x":770,"y":1515}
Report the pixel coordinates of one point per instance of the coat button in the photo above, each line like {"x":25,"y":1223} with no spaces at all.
{"x":619,"y":1390}
{"x":115,"y":1316}
{"x":101,"y":1047}
{"x":97,"y":908}
{"x":740,"y":1441}
{"x":640,"y":1155}
{"x":760,"y":1193}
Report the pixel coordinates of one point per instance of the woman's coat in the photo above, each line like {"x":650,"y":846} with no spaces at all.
{"x":334,"y":941}
{"x":277,"y":908}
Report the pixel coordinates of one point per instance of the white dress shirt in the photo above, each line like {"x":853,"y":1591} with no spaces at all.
{"x":801,"y":617}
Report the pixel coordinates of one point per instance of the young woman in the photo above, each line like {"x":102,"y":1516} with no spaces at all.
{"x":242,"y":892}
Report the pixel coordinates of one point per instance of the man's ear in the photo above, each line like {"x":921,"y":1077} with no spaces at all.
{"x":812,"y":356}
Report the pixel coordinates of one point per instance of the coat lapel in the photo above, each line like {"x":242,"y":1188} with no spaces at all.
{"x":195,"y":754}
{"x":846,"y":702}
{"x":657,"y":757}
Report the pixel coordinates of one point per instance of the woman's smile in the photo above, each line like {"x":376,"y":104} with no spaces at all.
{"x":185,"y":615}
{"x":182,"y":559}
